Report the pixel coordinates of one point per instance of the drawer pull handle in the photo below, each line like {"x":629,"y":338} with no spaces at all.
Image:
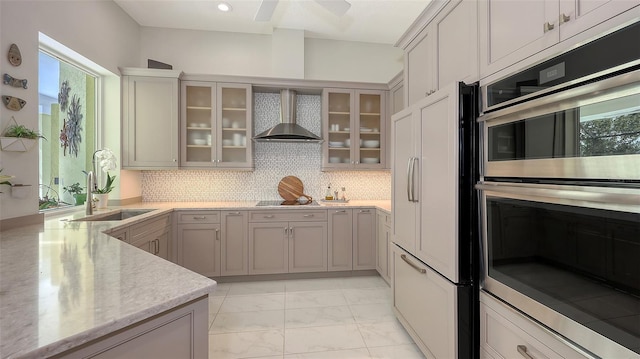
{"x":364,"y":211}
{"x":342,"y":211}
{"x":234,"y":213}
{"x":522,"y":349}
{"x":404,"y":258}
{"x":269,"y":216}
{"x":548,"y":26}
{"x":199,"y":217}
{"x":308,"y":215}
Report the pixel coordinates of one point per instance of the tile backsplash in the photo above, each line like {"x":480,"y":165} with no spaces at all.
{"x":272,"y":161}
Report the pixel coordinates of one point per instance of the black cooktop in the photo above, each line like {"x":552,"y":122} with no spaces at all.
{"x":284,"y":203}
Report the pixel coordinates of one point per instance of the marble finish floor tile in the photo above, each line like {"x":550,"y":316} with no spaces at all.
{"x":252,"y":303}
{"x":221,"y":289}
{"x":316,"y":339}
{"x":363,"y":282}
{"x":246,"y":345}
{"x":304,"y":285}
{"x":377,"y":312}
{"x":248,"y":321}
{"x":368,"y":295}
{"x":251,"y":288}
{"x":406,"y":351}
{"x":314,"y":299}
{"x":361,"y":353}
{"x":316,"y":317}
{"x":384,"y":334}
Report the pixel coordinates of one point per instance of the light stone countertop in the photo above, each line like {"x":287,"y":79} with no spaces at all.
{"x":65,"y":282}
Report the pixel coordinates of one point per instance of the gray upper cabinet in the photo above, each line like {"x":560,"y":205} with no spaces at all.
{"x":216,"y":125}
{"x":150,"y":100}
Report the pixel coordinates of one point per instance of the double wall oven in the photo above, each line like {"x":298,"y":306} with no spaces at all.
{"x":560,"y":194}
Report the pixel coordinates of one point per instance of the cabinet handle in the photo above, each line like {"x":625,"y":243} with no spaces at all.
{"x":409,"y":168}
{"x":357,"y":162}
{"x":413,"y":184}
{"x":269,"y":216}
{"x":217,"y":234}
{"x":365,"y":211}
{"x":342,"y":211}
{"x":564,"y":18}
{"x":308,"y":215}
{"x":291,"y":231}
{"x":234,"y":213}
{"x":522,"y":349}
{"x":548,"y":26}
{"x":199,"y":217}
{"x":404,"y":258}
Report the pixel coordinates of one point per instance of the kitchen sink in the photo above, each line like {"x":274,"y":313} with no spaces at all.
{"x":116,"y":216}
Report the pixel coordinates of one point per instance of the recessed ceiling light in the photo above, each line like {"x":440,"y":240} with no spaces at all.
{"x":224,"y":7}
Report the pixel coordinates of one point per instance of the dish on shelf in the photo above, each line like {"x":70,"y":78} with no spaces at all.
{"x":226,"y":122}
{"x":371,"y":144}
{"x":227,"y":142}
{"x":199,"y":141}
{"x":347,"y":160}
{"x":336,"y":144}
{"x":366,"y":129}
{"x":370,"y":160}
{"x":334,"y":159}
{"x":202,"y":125}
{"x":346,"y":128}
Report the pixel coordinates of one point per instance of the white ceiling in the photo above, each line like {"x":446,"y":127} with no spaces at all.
{"x":376,"y":21}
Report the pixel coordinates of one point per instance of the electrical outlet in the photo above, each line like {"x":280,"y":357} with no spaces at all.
{"x":56,"y":180}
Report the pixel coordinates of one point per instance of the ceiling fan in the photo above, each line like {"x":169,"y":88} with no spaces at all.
{"x":267,"y":7}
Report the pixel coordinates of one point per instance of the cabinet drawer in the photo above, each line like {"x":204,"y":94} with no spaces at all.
{"x":198,"y":217}
{"x":504,"y":332}
{"x":149,"y":226}
{"x":288,"y":216}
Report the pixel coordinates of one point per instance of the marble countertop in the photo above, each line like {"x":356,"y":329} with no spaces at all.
{"x":65,"y":282}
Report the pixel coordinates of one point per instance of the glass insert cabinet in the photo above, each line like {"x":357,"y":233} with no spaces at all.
{"x":354,"y":129}
{"x":216,"y":125}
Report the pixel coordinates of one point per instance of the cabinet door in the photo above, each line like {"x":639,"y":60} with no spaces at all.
{"x":577,"y":16}
{"x":364,"y":239}
{"x":456,"y":28}
{"x":234,"y":116}
{"x":199,"y":248}
{"x":197,"y":124}
{"x":403,"y":137}
{"x":426,"y":304}
{"x":340,"y":240}
{"x":437,"y":242}
{"x":397,"y":98}
{"x":268,"y":248}
{"x":150,"y":122}
{"x":369,"y":130}
{"x":382,"y":249}
{"x":307,"y":247}
{"x":163,"y":240}
{"x":338,"y":109}
{"x":235,"y":243}
{"x":419,"y":67}
{"x":513,"y":30}
{"x":144,"y":244}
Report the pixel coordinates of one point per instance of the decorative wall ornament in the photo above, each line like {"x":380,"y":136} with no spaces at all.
{"x":15,"y":58}
{"x":71,"y":133}
{"x":13,"y":103}
{"x":9,"y":80}
{"x":63,"y":96}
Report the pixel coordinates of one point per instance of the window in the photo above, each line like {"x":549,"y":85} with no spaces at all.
{"x":68,"y":118}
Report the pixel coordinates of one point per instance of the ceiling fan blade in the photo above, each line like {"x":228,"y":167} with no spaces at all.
{"x":267,"y":7}
{"x":337,"y":7}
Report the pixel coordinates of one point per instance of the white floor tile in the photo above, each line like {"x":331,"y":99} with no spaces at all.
{"x":363,"y":282}
{"x":313,"y":299}
{"x":246,"y":345}
{"x":250,"y":288}
{"x":316,"y":317}
{"x":406,"y":351}
{"x":252,"y":303}
{"x":384,"y":334}
{"x":361,"y":353}
{"x":221,"y":290}
{"x":377,"y":312}
{"x":248,"y":321}
{"x":368,"y":295}
{"x":300,"y":285}
{"x":317,"y":339}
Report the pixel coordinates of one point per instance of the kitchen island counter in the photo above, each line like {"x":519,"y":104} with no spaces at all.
{"x":66,"y":283}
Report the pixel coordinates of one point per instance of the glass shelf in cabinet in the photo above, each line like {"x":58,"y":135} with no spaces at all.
{"x":234,"y":109}
{"x":233,"y":129}
{"x":199,"y":108}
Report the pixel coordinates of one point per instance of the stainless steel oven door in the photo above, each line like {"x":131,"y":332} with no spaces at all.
{"x":567,"y":256}
{"x":589,"y":132}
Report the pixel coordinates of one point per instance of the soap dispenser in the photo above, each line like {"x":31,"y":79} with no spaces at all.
{"x":329,"y":195}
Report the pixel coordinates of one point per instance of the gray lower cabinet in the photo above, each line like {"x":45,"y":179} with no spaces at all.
{"x":234,"y":259}
{"x":340,"y":240}
{"x":383,"y":245}
{"x":364,"y":235}
{"x":177,"y":333}
{"x":198,"y":247}
{"x":287,"y":241}
{"x":152,"y":235}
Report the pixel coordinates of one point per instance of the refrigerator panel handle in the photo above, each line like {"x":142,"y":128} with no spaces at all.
{"x":409,"y":175}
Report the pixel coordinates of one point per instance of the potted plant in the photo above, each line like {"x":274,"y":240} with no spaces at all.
{"x":77,"y":192}
{"x":18,"y":137}
{"x":106,"y":159}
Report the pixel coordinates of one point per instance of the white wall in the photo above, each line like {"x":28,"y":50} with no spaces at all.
{"x":99,"y":30}
{"x":224,"y":53}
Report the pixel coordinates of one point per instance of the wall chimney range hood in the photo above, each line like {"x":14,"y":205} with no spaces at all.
{"x":287,"y":130}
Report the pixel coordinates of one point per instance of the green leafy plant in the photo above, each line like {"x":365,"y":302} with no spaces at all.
{"x":21,"y":131}
{"x":74,"y":188}
{"x":108,"y":187}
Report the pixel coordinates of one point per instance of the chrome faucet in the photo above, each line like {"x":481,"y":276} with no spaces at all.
{"x":89,"y":201}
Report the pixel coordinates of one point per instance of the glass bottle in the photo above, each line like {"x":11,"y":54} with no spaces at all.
{"x":328,"y":196}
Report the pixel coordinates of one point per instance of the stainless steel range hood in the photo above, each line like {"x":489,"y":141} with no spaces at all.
{"x":287,"y":130}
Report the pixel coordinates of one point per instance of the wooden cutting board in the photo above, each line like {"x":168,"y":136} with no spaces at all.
{"x":290,"y":188}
